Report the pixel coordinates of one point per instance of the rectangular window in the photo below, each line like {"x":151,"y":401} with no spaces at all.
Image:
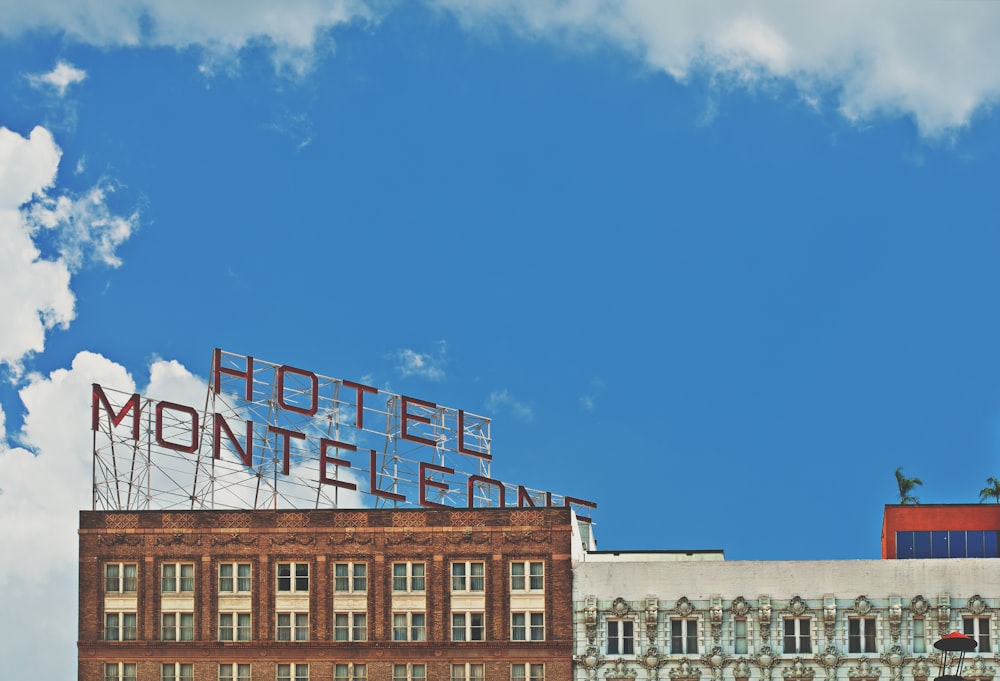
{"x":683,"y":637}
{"x":234,"y":626}
{"x":350,"y":626}
{"x":621,"y":637}
{"x":350,"y":577}
{"x":796,"y":635}
{"x":409,"y":672}
{"x":470,"y":576}
{"x":234,"y":672}
{"x":350,"y":672}
{"x":293,"y":672}
{"x":467,"y":672}
{"x":468,"y":626}
{"x":177,"y":626}
{"x":177,"y":578}
{"x":740,"y":636}
{"x":408,"y":576}
{"x":527,"y":576}
{"x":409,"y":626}
{"x":119,"y":671}
{"x":176,"y":671}
{"x":979,"y":629}
{"x":527,"y":626}
{"x":121,"y":578}
{"x":918,"y":638}
{"x":234,"y":578}
{"x":861,"y":635}
{"x":527,"y":672}
{"x":292,"y":626}
{"x":293,"y":577}
{"x":120,"y":626}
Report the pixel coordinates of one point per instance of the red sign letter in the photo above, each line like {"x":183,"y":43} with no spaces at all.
{"x":371,"y":483}
{"x":461,"y":439}
{"x":487,"y":481}
{"x":359,"y":419}
{"x":405,"y":416}
{"x":288,"y":435}
{"x":98,"y":398}
{"x":159,"y":427}
{"x":219,"y":424}
{"x":247,"y":375}
{"x":425,"y":483}
{"x":325,"y":444}
{"x":314,"y":390}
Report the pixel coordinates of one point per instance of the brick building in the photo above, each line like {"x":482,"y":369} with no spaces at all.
{"x":383,"y":595}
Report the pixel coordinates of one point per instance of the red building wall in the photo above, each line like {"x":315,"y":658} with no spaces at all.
{"x":929,"y":517}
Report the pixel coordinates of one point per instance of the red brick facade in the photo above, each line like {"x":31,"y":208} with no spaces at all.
{"x":136,"y":546}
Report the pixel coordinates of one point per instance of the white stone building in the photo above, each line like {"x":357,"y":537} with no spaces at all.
{"x":693,"y":616}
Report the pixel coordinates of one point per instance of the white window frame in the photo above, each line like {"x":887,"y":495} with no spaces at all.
{"x":297,"y":626}
{"x":468,"y":671}
{"x":350,"y":672}
{"x":353,"y":631}
{"x":292,"y":671}
{"x":292,"y":578}
{"x":976,"y":631}
{"x":688,"y":639}
{"x":411,"y":630}
{"x":122,"y":671}
{"x":234,"y":671}
{"x":120,"y":580}
{"x":527,"y":580}
{"x":411,"y":671}
{"x":120,"y":628}
{"x":183,"y":575}
{"x":237,"y":631}
{"x":524,"y":671}
{"x":354,"y":579}
{"x":176,"y":671}
{"x":235,"y":579}
{"x":618,"y":642}
{"x":467,"y":628}
{"x":410,"y":581}
{"x":182,"y":622}
{"x":462,"y":577}
{"x":526,"y":621}
{"x":860,"y":639}
{"x":797,"y":636}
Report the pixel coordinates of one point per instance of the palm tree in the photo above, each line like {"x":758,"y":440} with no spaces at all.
{"x":991,"y":492}
{"x":906,"y":486}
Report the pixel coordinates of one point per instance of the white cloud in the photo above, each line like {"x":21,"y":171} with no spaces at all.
{"x":502,"y":400}
{"x":291,"y":30}
{"x":59,"y":78}
{"x":37,"y":294}
{"x":423,"y":365}
{"x":588,"y":401}
{"x":934,"y":61}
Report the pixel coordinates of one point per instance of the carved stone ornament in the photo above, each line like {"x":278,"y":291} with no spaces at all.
{"x":591,"y":659}
{"x":919,"y":606}
{"x":978,"y":670}
{"x":652,"y":617}
{"x":685,"y":670}
{"x":830,"y":659}
{"x":119,"y":539}
{"x":651,"y":660}
{"x":293,"y":539}
{"x":766,"y":660}
{"x":977,"y":606}
{"x":684,"y":608}
{"x":739,"y":607}
{"x":863,"y":670}
{"x":590,"y":619}
{"x":715,"y":661}
{"x":798,"y":670}
{"x":894,"y":659}
{"x":921,"y":668}
{"x":862,"y":605}
{"x":895,"y":621}
{"x":469,"y":537}
{"x":235,"y":538}
{"x":351,"y":537}
{"x":764,"y":617}
{"x":944,"y":617}
{"x":177,"y":539}
{"x":620,"y":607}
{"x":527,"y":536}
{"x":741,"y":670}
{"x":619,"y":671}
{"x":715,"y":619}
{"x":797,"y":606}
{"x":408,"y":537}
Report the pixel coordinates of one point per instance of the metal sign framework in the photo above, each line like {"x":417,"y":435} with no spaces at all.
{"x":273,"y":436}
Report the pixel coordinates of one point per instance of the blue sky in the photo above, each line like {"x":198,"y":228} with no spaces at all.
{"x":719,"y":267}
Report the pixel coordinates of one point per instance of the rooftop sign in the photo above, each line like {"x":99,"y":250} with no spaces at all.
{"x":278,"y":436}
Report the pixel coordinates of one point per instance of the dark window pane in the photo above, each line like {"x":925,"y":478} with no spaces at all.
{"x":990,"y":548}
{"x":974,"y":544}
{"x":904,"y":545}
{"x":939,"y":544}
{"x":922,"y":545}
{"x":956,"y":544}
